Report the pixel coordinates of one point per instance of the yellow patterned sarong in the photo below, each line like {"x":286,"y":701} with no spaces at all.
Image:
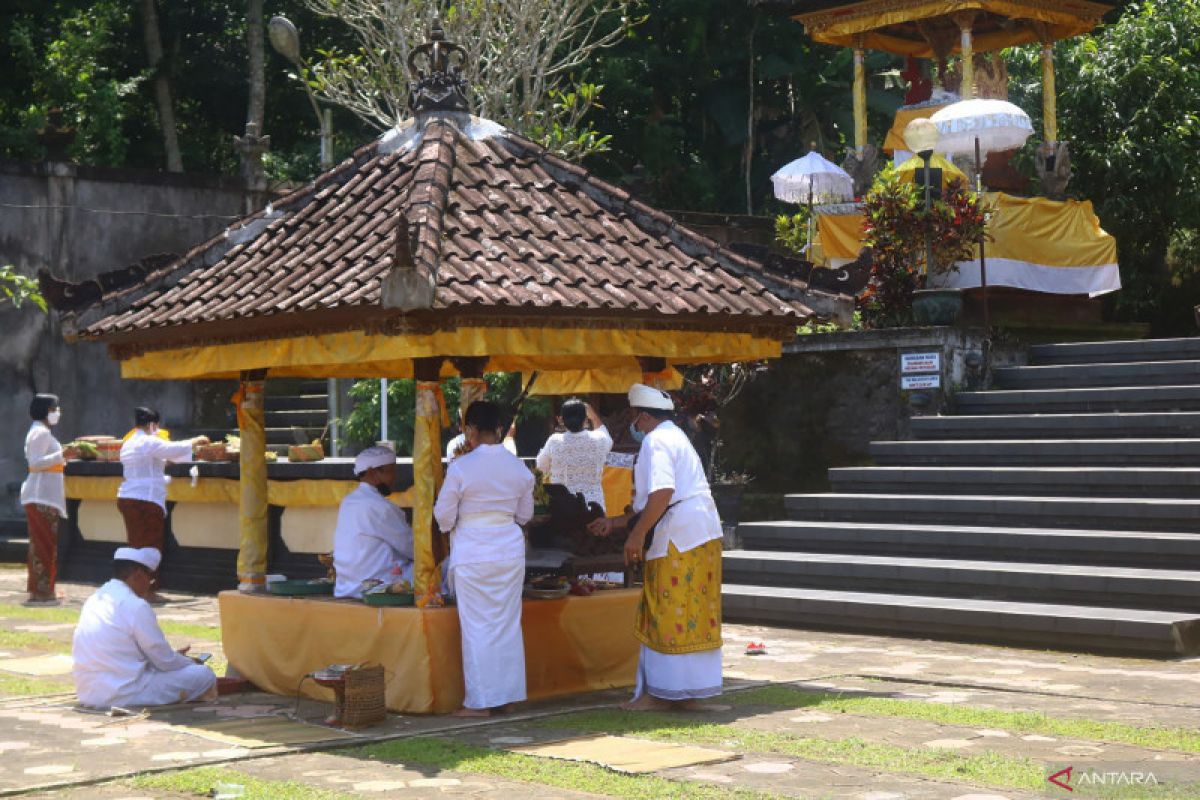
{"x":680,"y":610}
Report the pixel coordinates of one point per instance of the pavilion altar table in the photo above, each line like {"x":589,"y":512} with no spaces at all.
{"x":572,"y":645}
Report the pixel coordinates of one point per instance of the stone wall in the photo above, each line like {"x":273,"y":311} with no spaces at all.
{"x":78,"y":222}
{"x":832,"y":394}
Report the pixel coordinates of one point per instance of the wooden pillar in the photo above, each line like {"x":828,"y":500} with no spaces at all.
{"x":1049,"y":94}
{"x":860,"y":100}
{"x":252,"y":482}
{"x":966,"y":25}
{"x":427,"y":477}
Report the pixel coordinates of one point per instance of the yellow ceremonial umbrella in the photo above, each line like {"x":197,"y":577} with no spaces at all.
{"x":909,"y":169}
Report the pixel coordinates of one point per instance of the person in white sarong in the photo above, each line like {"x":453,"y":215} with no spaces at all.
{"x":487,"y":496}
{"x":679,"y":617}
{"x":121,"y":656}
{"x":372,"y":540}
{"x":575,"y":458}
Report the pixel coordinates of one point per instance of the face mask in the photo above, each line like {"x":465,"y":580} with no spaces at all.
{"x":53,"y":417}
{"x":637,"y":435}
{"x":383,"y":489}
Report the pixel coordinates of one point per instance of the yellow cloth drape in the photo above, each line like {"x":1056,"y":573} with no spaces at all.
{"x":472,"y":389}
{"x":252,"y":462}
{"x":895,"y":136}
{"x":572,"y":645}
{"x":617,"y":483}
{"x":910,"y":168}
{"x":680,"y":608}
{"x":1036,"y":244}
{"x":287,"y":494}
{"x":361,"y":355}
{"x":427,"y":480}
{"x":1049,"y":95}
{"x":839,"y":236}
{"x":860,"y":101}
{"x":863,"y":22}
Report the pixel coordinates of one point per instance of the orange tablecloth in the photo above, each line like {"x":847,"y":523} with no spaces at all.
{"x":572,"y":645}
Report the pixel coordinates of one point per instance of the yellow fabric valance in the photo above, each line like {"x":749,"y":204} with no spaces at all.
{"x":597,"y":381}
{"x":866,"y":22}
{"x":361,"y":355}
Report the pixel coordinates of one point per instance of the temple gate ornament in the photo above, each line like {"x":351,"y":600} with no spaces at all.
{"x":441,"y":86}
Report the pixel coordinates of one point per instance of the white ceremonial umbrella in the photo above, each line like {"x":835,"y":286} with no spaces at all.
{"x":813,"y":178}
{"x":996,"y":124}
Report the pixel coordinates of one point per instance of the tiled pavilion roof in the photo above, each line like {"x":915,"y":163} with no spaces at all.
{"x":450,"y":216}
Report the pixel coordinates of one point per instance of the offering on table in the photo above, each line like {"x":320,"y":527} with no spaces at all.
{"x":108,"y":449}
{"x":548,"y":587}
{"x":81,"y":450}
{"x":306,"y":452}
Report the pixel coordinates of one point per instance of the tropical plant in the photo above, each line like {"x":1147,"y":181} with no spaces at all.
{"x":707,"y":388}
{"x":899,"y":229}
{"x":362,"y":424}
{"x":16,"y":289}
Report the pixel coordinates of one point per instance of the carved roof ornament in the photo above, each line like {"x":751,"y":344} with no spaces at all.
{"x":440,"y":85}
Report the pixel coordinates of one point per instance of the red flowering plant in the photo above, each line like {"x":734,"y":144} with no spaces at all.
{"x":896,"y":228}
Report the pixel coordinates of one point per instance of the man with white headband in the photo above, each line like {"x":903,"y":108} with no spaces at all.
{"x":121,"y":656}
{"x":372,"y":540}
{"x":679,"y":616}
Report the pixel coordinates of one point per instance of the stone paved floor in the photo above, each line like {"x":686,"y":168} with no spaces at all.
{"x":50,"y":750}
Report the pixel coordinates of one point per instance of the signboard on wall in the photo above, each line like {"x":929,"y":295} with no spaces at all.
{"x":920,"y":362}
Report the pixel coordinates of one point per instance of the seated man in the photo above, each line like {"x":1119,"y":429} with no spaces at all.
{"x":373,"y":539}
{"x":121,"y":656}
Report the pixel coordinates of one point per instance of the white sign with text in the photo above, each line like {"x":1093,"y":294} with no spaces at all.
{"x":920,"y":362}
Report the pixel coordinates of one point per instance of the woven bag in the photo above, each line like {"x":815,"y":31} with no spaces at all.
{"x":364,"y":697}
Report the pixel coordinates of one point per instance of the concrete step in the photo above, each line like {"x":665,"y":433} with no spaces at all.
{"x":1177,"y":590}
{"x":977,"y":542}
{"x":1038,"y":452}
{"x":1095,"y":400}
{"x":1160,"y":633}
{"x":1114,"y":352}
{"x":1118,"y":513}
{"x":1165,"y":424}
{"x":304,"y":418}
{"x":1073,"y":376}
{"x":1180,"y":482}
{"x":298,"y":402}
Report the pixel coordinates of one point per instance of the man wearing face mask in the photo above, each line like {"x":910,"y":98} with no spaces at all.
{"x":679,"y":616}
{"x":142,"y":498}
{"x":373,"y":540}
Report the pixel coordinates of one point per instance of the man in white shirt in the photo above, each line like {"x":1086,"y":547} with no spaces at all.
{"x":121,"y":656}
{"x":487,"y":496}
{"x":679,"y":616}
{"x":142,"y":497}
{"x":373,"y":540}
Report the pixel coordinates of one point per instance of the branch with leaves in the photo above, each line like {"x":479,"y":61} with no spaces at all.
{"x":17,"y":289}
{"x":525,"y":61}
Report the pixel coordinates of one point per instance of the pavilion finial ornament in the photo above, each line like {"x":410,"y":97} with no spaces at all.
{"x":440,"y":85}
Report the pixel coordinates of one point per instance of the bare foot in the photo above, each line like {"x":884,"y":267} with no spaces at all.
{"x":646,"y":702}
{"x":697,"y":705}
{"x":473,"y":712}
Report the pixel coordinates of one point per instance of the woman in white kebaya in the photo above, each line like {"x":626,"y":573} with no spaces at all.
{"x":43,"y":495}
{"x":487,"y":496}
{"x":575,"y":459}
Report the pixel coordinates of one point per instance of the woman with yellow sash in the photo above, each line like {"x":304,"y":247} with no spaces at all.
{"x":679,"y":616}
{"x":43,"y":494}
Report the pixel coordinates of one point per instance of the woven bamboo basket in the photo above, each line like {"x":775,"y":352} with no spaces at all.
{"x":364,"y":703}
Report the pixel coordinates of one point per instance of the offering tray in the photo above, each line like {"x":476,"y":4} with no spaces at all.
{"x":305,"y":586}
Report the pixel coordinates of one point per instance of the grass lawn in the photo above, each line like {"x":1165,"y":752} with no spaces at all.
{"x":203,"y":781}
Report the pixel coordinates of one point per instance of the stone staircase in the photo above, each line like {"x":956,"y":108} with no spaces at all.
{"x":295,"y":404}
{"x":1059,"y":509}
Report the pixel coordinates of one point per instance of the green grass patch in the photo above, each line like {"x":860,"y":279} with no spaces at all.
{"x":990,"y":769}
{"x":39,"y":614}
{"x":451,"y":755}
{"x":190,"y":630}
{"x":24,"y":640}
{"x":1020,"y":722}
{"x":200,"y":782}
{"x":21,"y":686}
